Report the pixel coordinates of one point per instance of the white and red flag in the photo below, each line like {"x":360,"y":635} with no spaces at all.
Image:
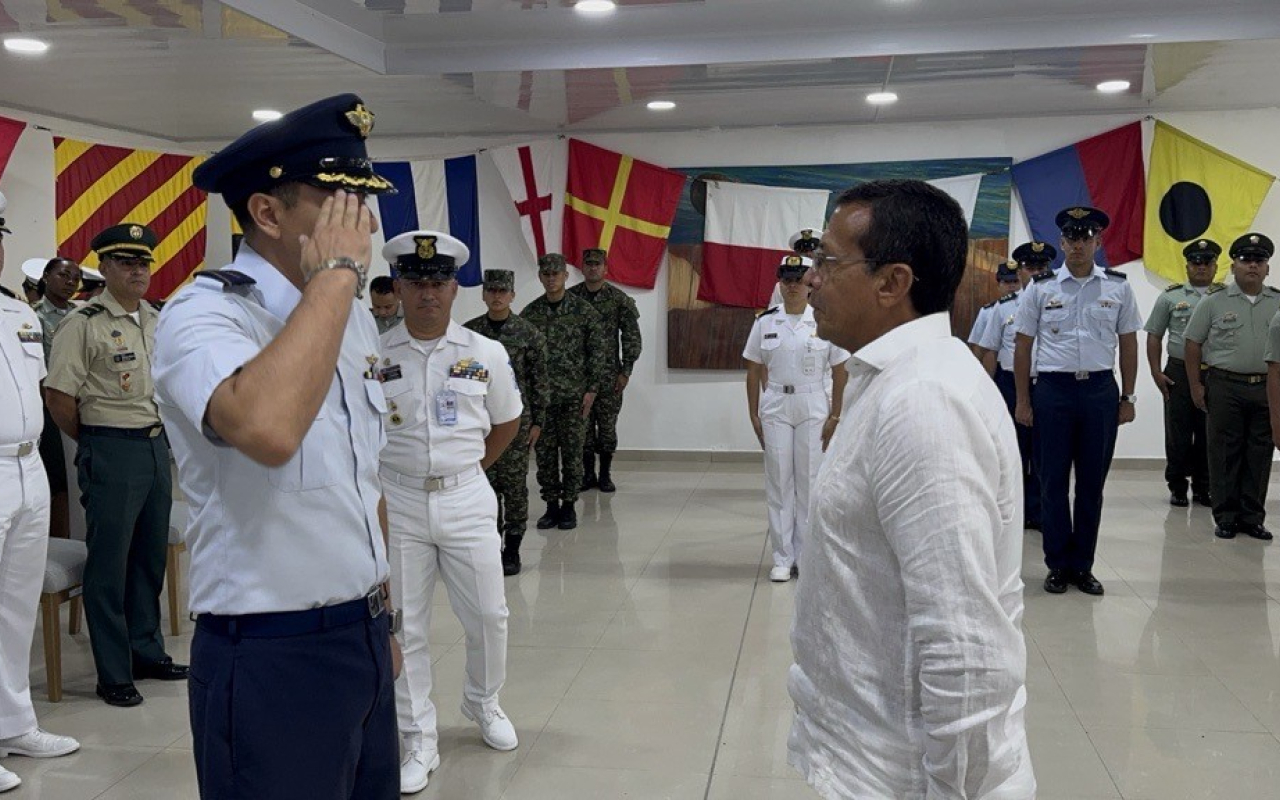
{"x":534,"y":174}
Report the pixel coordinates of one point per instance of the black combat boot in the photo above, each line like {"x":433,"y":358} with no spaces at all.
{"x":511,"y":553}
{"x":606,"y":480}
{"x":589,"y":471}
{"x":552,"y":517}
{"x":568,"y":517}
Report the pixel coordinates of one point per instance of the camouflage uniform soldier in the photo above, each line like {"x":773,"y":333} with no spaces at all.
{"x":527,"y":348}
{"x":575,"y":371}
{"x":620,"y":319}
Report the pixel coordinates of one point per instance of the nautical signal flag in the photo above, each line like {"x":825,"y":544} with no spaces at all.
{"x":620,"y":204}
{"x":10,"y":131}
{"x":439,"y":195}
{"x":1197,"y":192}
{"x":97,"y":186}
{"x":1103,"y":172}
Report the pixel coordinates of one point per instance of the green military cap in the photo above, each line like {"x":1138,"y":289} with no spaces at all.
{"x":500,"y":280}
{"x":552,"y":262}
{"x":127,"y":239}
{"x":1253,"y":244}
{"x":594,"y":255}
{"x":1202,"y":251}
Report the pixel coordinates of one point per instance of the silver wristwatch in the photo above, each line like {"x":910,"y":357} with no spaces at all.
{"x":1131,"y":399}
{"x":343,"y":262}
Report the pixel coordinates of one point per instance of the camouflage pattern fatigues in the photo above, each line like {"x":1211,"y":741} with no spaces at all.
{"x":620,"y":320}
{"x":575,"y":366}
{"x":509,"y":475}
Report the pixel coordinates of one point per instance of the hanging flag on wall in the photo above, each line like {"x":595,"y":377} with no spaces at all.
{"x":747,"y":234}
{"x":98,"y":186}
{"x":10,"y":131}
{"x":622,"y":205}
{"x":1197,"y":192}
{"x":1104,"y":172}
{"x":528,"y":170}
{"x":435,"y":195}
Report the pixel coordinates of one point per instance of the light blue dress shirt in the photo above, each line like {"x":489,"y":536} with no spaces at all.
{"x":1077,"y":323}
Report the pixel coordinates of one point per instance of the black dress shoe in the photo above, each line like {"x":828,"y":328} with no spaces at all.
{"x":510,"y":562}
{"x":1202,"y":499}
{"x":568,"y":517}
{"x":1257,"y":531}
{"x":1178,"y":498}
{"x":163,"y":670}
{"x":1224,"y":532}
{"x":1088,"y":584}
{"x":123,"y":695}
{"x":551,"y":518}
{"x":1057,"y":581}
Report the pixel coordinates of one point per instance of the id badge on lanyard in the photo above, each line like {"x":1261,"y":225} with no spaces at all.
{"x":447,"y":407}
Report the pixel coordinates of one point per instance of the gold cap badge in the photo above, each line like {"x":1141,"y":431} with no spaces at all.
{"x":426,"y":246}
{"x":1254,"y":240}
{"x":1078,"y":213}
{"x":793,"y":261}
{"x":1037,"y":247}
{"x":135,"y":231}
{"x":361,"y":119}
{"x":275,"y":172}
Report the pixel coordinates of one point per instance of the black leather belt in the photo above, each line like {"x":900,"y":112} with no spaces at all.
{"x":1082,"y":375}
{"x":1252,"y":379}
{"x":295,"y":623}
{"x":149,"y":432}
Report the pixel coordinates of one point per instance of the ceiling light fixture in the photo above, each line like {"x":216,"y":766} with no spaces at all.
{"x":661,"y":105}
{"x":267,"y":115}
{"x":1142,"y":36}
{"x":882,"y":98}
{"x":1113,"y":87}
{"x":27,"y":47}
{"x":595,"y":8}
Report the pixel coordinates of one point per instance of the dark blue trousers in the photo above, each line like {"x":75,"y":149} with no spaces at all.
{"x":1026,"y":449}
{"x":1075,"y":429}
{"x":307,"y":717}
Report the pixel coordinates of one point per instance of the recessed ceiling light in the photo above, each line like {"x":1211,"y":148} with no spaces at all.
{"x":267,"y":115}
{"x":661,"y":105}
{"x":26,"y":46}
{"x":882,"y":98}
{"x":1113,"y":87}
{"x":1142,"y":36}
{"x":595,"y":7}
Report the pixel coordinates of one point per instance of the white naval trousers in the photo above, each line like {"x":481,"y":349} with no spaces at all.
{"x":792,"y":427}
{"x":24,"y":542}
{"x":449,"y":533}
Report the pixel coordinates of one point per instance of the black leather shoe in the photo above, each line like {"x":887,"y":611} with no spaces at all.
{"x":510,"y":562}
{"x":606,"y":476}
{"x":1057,"y":581}
{"x":1202,"y":499}
{"x":1224,"y":532}
{"x":551,"y":518}
{"x":568,"y":517}
{"x":164,"y":670}
{"x":1178,"y":498}
{"x":1088,"y":584}
{"x":1257,"y":531}
{"x":123,"y":695}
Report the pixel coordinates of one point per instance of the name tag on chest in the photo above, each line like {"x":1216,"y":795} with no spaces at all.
{"x":391,"y":373}
{"x":122,"y":358}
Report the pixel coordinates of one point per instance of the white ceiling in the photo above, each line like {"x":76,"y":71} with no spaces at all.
{"x":192,"y":70}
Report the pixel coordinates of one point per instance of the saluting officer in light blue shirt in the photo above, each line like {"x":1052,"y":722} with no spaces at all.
{"x":1078,"y":316}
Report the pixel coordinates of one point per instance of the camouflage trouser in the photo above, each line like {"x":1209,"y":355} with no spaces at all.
{"x":509,"y":477}
{"x":559,"y":453}
{"x":602,"y":425}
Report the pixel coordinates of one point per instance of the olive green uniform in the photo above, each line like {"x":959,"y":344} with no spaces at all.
{"x":102,"y":357}
{"x":619,"y":318}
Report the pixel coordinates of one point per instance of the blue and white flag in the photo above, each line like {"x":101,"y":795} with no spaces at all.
{"x":436,"y":195}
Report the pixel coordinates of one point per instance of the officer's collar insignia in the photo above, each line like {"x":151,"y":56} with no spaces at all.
{"x":361,"y":119}
{"x":135,"y":232}
{"x":426,"y":246}
{"x":1078,"y":213}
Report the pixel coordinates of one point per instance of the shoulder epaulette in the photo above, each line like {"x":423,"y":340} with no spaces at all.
{"x":1113,"y":273}
{"x":1172,"y":286}
{"x":229,"y":278}
{"x":1008,"y":298}
{"x":92,"y":310}
{"x":1043,"y":276}
{"x":1214,"y":289}
{"x":768,"y":311}
{"x":156,"y":304}
{"x":992,"y":304}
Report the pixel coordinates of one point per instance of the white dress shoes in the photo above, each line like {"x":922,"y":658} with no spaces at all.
{"x":780,"y":574}
{"x":415,"y":770}
{"x":495,"y":728}
{"x":38,"y":744}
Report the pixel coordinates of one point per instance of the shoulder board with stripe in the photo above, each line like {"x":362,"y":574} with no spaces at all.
{"x":992,"y":304}
{"x":768,"y":311}
{"x":1008,"y":298}
{"x":229,"y":278}
{"x":156,"y":304}
{"x":1172,"y":286}
{"x":1043,"y":276}
{"x":91,"y":311}
{"x":1217,"y":287}
{"x":1113,"y":273}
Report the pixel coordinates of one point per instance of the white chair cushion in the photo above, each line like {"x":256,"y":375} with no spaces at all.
{"x":64,"y":566}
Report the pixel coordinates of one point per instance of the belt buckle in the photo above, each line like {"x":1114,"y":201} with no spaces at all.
{"x":433,"y":484}
{"x":1255,"y":379}
{"x":154,"y":432}
{"x":375,"y":603}
{"x":25,"y":449}
{"x":1082,"y":375}
{"x":788,"y":390}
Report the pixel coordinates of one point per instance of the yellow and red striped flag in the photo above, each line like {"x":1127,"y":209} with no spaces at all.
{"x":98,"y":186}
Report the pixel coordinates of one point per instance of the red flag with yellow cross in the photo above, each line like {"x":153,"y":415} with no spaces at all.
{"x":620,"y":204}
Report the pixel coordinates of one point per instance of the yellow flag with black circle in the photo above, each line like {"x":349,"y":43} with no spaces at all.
{"x":1196,"y":191}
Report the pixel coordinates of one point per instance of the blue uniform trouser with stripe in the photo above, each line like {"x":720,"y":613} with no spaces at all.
{"x":1026,"y":449}
{"x":1075,"y":431}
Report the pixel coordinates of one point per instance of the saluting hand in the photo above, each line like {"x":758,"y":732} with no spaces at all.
{"x":344,"y":229}
{"x":1163,"y":382}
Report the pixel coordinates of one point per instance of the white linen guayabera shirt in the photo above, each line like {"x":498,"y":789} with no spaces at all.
{"x":910,"y":670}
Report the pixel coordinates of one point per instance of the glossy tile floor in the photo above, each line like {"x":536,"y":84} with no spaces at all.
{"x":648,"y":656}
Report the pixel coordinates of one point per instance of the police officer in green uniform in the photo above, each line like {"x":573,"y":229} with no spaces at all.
{"x":622,"y":345}
{"x":575,"y":371}
{"x":1185,"y":452}
{"x":527,"y":348}
{"x":1226,"y":343}
{"x":100,"y":393}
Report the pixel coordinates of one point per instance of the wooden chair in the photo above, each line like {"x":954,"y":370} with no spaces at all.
{"x":173,"y":569}
{"x":63,"y":578}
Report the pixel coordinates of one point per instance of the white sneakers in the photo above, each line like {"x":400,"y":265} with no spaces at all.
{"x":38,"y":744}
{"x":8,"y":780}
{"x":495,"y":728}
{"x":416,"y":769}
{"x":780,"y":574}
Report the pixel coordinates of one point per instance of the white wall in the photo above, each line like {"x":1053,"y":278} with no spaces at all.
{"x":691,"y":410}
